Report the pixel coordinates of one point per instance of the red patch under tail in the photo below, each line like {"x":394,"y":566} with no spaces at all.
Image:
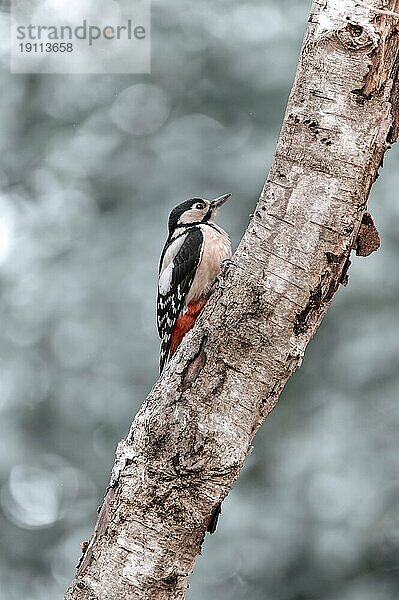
{"x":185,"y":322}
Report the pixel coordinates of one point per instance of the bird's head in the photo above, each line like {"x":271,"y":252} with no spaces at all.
{"x":196,"y":210}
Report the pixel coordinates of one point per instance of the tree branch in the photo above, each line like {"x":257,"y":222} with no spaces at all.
{"x":189,"y":441}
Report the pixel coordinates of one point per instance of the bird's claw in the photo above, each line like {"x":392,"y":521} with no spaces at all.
{"x":219,"y":282}
{"x":228,"y":262}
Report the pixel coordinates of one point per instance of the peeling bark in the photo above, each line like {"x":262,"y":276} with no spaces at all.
{"x":189,"y":440}
{"x":368,"y":239}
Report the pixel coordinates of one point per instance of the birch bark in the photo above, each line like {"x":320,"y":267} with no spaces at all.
{"x":189,"y":441}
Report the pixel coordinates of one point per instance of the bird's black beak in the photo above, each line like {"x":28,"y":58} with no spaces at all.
{"x":219,"y":201}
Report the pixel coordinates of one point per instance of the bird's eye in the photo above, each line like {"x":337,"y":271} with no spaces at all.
{"x":199,"y":205}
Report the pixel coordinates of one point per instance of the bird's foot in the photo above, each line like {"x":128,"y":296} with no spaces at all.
{"x":219,"y":282}
{"x":228,"y":262}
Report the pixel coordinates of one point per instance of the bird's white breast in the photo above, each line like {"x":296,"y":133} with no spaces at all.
{"x":216,"y":248}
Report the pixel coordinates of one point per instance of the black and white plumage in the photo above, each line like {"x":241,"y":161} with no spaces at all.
{"x":175,"y":282}
{"x":190,"y":262}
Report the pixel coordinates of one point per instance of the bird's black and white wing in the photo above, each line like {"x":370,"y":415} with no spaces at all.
{"x":179,"y":262}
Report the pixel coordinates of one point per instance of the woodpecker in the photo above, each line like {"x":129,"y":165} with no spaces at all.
{"x":190,"y":263}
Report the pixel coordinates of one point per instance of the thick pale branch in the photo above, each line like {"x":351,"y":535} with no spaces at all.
{"x":190,"y":438}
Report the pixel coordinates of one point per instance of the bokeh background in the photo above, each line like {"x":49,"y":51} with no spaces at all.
{"x":90,"y":167}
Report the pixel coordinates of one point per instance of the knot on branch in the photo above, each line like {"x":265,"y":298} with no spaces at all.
{"x":355,"y":38}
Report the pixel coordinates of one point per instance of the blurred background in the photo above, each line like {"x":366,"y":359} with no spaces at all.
{"x":90,"y":168}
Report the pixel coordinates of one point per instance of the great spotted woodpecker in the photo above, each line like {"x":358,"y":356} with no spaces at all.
{"x":190,"y":263}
